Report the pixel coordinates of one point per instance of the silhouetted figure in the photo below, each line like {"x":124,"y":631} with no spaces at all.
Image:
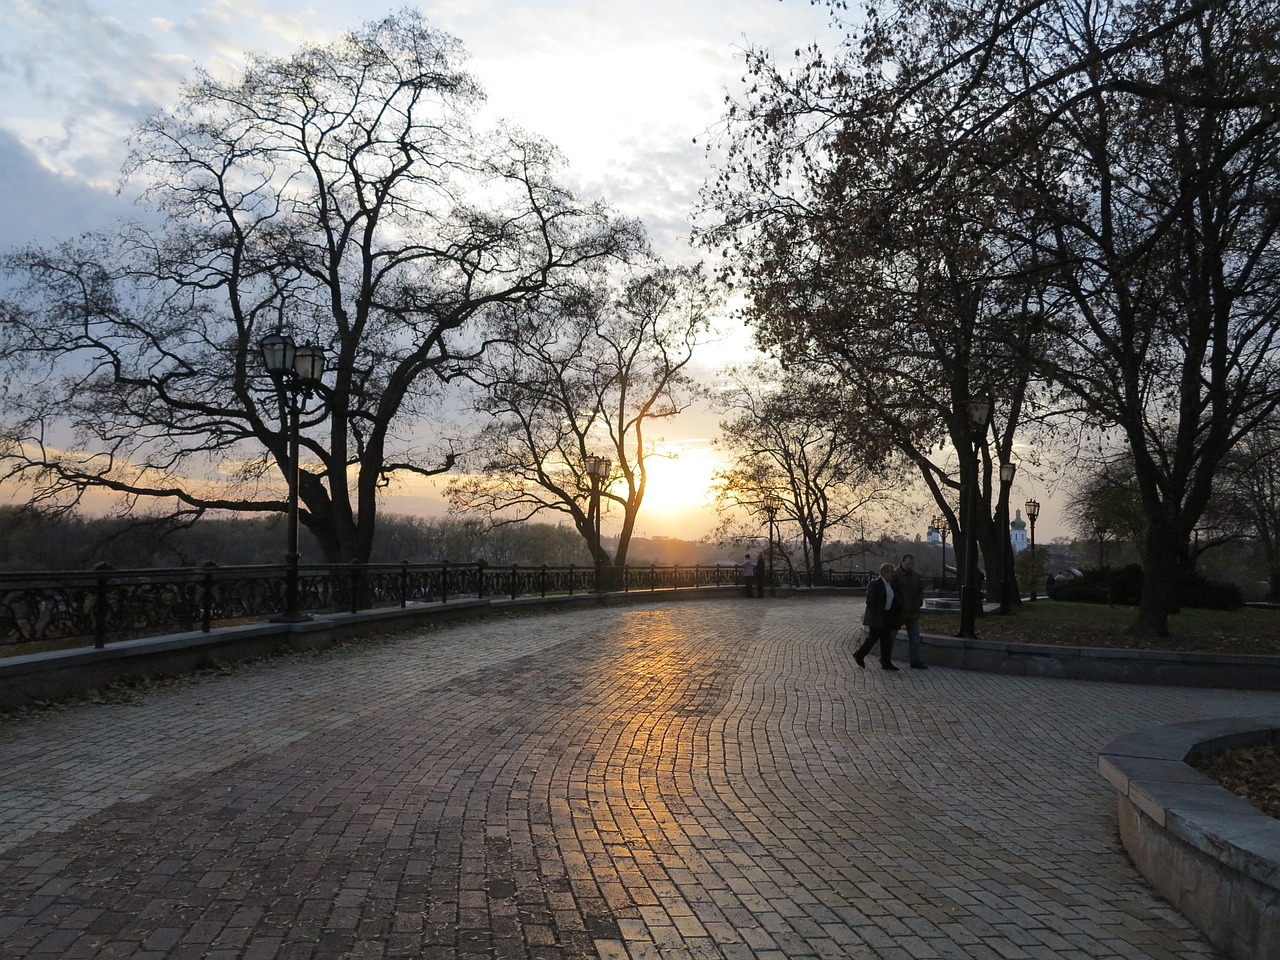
{"x":883,"y":616}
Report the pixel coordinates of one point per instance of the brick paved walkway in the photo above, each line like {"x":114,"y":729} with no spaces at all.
{"x":709,"y":779}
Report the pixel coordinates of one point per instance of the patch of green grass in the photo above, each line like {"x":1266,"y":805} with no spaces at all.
{"x":1247,"y":630}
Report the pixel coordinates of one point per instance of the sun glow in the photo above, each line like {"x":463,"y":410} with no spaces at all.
{"x":677,"y":499}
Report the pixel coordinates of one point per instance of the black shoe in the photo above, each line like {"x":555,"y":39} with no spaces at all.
{"x":887,"y":666}
{"x":860,"y":660}
{"x":918,"y":666}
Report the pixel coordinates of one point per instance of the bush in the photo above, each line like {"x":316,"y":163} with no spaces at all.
{"x":1079,"y":590}
{"x":1123,"y":587}
{"x":1205,"y":594}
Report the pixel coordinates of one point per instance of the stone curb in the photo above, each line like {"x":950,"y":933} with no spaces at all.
{"x":1212,"y":855}
{"x":1159,"y":667}
{"x":39,"y":677}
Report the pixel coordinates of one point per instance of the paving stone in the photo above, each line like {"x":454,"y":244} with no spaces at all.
{"x":711,"y":779}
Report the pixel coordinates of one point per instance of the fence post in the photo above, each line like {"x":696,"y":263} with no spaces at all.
{"x":404,"y":584}
{"x":100,"y":605}
{"x":444,"y":581}
{"x":355,"y":586}
{"x":480,"y":565}
{"x":515,"y":592}
{"x":571,"y":579}
{"x":206,"y":597}
{"x":544,"y":580}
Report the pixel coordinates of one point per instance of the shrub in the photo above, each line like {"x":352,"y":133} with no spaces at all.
{"x":1205,"y":594}
{"x":1079,"y":590}
{"x":1123,"y":587}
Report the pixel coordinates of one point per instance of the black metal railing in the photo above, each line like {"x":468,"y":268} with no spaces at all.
{"x":98,"y":606}
{"x":105,"y":604}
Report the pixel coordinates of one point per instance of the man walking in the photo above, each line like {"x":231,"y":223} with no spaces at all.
{"x":882,"y":616}
{"x":910,"y":587}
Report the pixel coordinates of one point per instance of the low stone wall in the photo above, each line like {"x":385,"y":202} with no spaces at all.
{"x":1213,"y":856}
{"x":41,"y":677}
{"x":1160,"y":667}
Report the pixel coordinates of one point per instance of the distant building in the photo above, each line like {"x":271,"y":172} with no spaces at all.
{"x":1018,"y":532}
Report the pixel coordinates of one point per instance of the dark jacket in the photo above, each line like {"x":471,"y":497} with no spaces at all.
{"x":877,"y":617}
{"x":909,"y":586}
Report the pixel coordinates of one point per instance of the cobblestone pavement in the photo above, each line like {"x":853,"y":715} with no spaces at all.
{"x":704,"y":779}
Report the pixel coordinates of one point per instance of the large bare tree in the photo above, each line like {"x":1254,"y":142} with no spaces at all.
{"x":868,"y":248}
{"x":342,"y":195}
{"x":588,"y":374}
{"x":1160,"y":204}
{"x":797,"y":447}
{"x":1121,"y":157}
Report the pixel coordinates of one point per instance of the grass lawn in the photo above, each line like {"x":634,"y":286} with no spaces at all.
{"x":1247,"y":630}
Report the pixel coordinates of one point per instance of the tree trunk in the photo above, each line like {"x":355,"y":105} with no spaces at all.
{"x":812,"y":555}
{"x":1161,"y":567}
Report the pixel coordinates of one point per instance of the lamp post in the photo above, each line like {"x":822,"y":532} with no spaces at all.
{"x":978,"y":410}
{"x":940,"y":527}
{"x":598,"y":470}
{"x":771,"y":507}
{"x":1100,"y":532}
{"x":295,"y":370}
{"x":1008,"y":583}
{"x":1033,"y":511}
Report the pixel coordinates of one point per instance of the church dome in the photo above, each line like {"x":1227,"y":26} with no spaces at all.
{"x":1018,"y":523}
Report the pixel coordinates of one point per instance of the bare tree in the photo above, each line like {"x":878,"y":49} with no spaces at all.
{"x":796,"y":449}
{"x":1248,"y":496}
{"x":1160,"y":203}
{"x":1117,"y":162}
{"x":341,"y":195}
{"x":588,"y":374}
{"x":868,"y":247}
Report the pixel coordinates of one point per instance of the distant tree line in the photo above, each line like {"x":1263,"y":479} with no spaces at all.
{"x":35,"y":540}
{"x":32,"y":540}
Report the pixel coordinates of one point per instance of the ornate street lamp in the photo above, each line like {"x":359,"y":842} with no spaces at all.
{"x":978,"y":410}
{"x":1008,"y":583}
{"x":941,"y":527}
{"x":296,"y":371}
{"x":597,"y":469}
{"x":1033,"y":511}
{"x":771,"y":507}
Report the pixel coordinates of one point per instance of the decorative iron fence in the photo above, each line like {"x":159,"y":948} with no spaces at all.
{"x":105,"y":604}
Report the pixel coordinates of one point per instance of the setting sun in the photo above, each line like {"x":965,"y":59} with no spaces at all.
{"x":677,"y":499}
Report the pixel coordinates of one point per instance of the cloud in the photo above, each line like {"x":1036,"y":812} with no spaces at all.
{"x":41,"y":205}
{"x":77,"y":75}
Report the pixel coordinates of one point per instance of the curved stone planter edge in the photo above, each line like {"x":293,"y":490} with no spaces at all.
{"x":1212,"y":855}
{"x":1159,"y":667}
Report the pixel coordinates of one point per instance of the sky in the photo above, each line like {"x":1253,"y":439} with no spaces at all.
{"x":623,"y":87}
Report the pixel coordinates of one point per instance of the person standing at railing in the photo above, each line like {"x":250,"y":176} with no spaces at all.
{"x":758,"y":575}
{"x":748,"y":569}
